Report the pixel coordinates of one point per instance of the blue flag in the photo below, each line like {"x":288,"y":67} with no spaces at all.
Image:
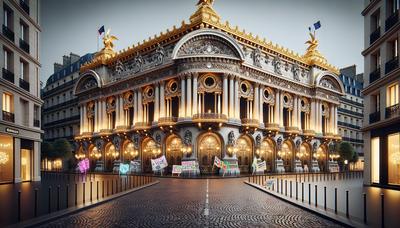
{"x":101,"y":30}
{"x":317,"y":25}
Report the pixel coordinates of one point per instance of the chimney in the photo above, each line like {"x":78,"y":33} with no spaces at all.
{"x":57,"y":67}
{"x":74,"y":57}
{"x":66,"y":60}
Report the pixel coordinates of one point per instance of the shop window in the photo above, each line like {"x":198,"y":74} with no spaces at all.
{"x":6,"y":158}
{"x":375,"y":160}
{"x":394,"y":159}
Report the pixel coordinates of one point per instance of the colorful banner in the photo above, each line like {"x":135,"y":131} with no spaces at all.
{"x":83,"y":165}
{"x":123,"y":168}
{"x":176,"y":169}
{"x":189,"y":165}
{"x":217,"y":162}
{"x":159,"y":163}
{"x":261,"y":166}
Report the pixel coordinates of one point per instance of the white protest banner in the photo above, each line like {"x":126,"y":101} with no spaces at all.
{"x":159,"y":163}
{"x":261,"y":166}
{"x":189,"y":165}
{"x":176,"y":169}
{"x":217,"y":162}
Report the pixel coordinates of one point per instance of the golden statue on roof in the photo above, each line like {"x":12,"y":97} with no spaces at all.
{"x":205,"y":12}
{"x":313,"y":43}
{"x":206,"y":2}
{"x":108,"y":40}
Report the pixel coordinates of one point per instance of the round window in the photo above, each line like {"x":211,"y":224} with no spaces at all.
{"x":266,"y":93}
{"x":244,"y":88}
{"x":150,"y":92}
{"x":285,"y":99}
{"x":174,"y":87}
{"x":209,"y":81}
{"x":323,"y":108}
{"x":130,"y":97}
{"x":302,"y":103}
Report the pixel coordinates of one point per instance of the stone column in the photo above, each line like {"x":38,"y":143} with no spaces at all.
{"x":236,"y":99}
{"x":335,"y":127}
{"x":182,"y":110}
{"x":36,"y":161}
{"x":277,"y":107}
{"x":162,"y":99}
{"x":231,"y":98}
{"x":84,"y":118}
{"x":117,"y":110}
{"x":96,"y":119}
{"x":189,"y":96}
{"x":281,"y":109}
{"x":225,"y":95}
{"x":195,"y":111}
{"x":319,"y":116}
{"x":140,"y":106}
{"x":294,"y":112}
{"x":81,"y":119}
{"x":17,"y":160}
{"x":103,"y":114}
{"x":256,"y":104}
{"x":312,"y":116}
{"x":157,"y":103}
{"x":121,"y":110}
{"x":261,"y":103}
{"x":299,"y":113}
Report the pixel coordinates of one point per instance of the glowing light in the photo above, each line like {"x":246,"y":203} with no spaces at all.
{"x":3,"y":158}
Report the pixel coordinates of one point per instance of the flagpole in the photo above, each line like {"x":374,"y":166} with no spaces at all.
{"x":97,"y":34}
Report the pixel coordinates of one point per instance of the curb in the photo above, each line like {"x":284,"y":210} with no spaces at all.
{"x":76,"y":209}
{"x":335,"y":218}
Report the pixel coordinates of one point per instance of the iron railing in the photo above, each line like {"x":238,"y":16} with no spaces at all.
{"x":7,"y":32}
{"x":391,"y":20}
{"x":374,"y":117}
{"x":392,"y":111}
{"x":8,"y":75}
{"x":24,"y":6}
{"x":375,"y":75}
{"x":391,"y":65}
{"x":24,"y":84}
{"x":375,"y":35}
{"x":24,"y":45}
{"x":8,"y":116}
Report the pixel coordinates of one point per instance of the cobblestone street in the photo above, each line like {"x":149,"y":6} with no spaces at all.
{"x":186,"y":203}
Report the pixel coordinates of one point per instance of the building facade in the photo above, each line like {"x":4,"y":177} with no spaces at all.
{"x":381,"y":93}
{"x":60,"y":115}
{"x":350,"y":112}
{"x":20,"y":133}
{"x":206,"y":89}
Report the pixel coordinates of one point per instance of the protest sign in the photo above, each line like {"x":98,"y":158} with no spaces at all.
{"x":159,"y":163}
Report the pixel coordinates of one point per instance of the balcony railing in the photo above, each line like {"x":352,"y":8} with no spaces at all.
{"x":209,"y":117}
{"x":61,"y":105}
{"x":340,"y":123}
{"x":375,"y":75}
{"x":392,"y":111}
{"x":250,"y":122}
{"x":391,"y":20}
{"x":24,"y":84}
{"x":7,"y":32}
{"x":374,"y":117}
{"x":24,"y":45}
{"x":375,"y":35}
{"x":36,"y":123}
{"x":8,"y":75}
{"x":292,"y":130}
{"x":271,"y":127}
{"x":24,"y":6}
{"x":391,"y":65}
{"x":63,"y":121}
{"x":167,"y":121}
{"x":350,"y":112}
{"x":353,"y":140}
{"x":8,"y":116}
{"x":142,"y":125}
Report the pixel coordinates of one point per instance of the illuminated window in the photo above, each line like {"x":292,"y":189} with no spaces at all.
{"x":6,"y":158}
{"x":7,"y":102}
{"x":375,"y":160}
{"x":392,"y":95}
{"x":26,"y":166}
{"x":394,"y":158}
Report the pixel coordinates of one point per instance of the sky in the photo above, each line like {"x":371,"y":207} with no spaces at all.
{"x":71,"y":25}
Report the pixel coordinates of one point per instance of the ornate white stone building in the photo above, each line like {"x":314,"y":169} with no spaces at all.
{"x":207,"y":89}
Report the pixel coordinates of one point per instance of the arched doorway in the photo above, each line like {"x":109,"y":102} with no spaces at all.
{"x":286,"y":154}
{"x":208,"y":146}
{"x":130,"y":152}
{"x":321,"y":157}
{"x":173,"y":151}
{"x":150,"y":150}
{"x":266,"y":153}
{"x":304,"y":155}
{"x":244,"y":153}
{"x":94,"y":155}
{"x":111,"y":156}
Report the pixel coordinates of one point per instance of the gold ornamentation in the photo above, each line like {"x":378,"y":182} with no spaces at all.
{"x":108,"y":50}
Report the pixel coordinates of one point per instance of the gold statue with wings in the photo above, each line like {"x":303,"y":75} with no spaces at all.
{"x":313,"y":43}
{"x":108,"y":40}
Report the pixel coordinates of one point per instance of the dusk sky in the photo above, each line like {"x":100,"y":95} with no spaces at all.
{"x":71,"y":25}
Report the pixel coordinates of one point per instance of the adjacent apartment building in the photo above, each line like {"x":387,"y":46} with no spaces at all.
{"x":60,"y":110}
{"x":20,"y":133}
{"x":350,"y":113}
{"x":381,"y":93}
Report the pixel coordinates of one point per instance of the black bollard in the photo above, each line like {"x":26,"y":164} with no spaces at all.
{"x":102,"y":186}
{"x":335,"y":200}
{"x":316,"y":200}
{"x":347,"y":204}
{"x":58,"y":197}
{"x":76,"y":194}
{"x":108,"y":183}
{"x":296,"y":190}
{"x":281,"y":186}
{"x":285,"y":187}
{"x":49,"y":209}
{"x":382,"y":210}
{"x":365,"y":207}
{"x":97,"y":190}
{"x":112,"y":187}
{"x":36,"y":203}
{"x":19,"y":205}
{"x":302,"y":192}
{"x":91,"y":190}
{"x":277,"y":185}
{"x":290,"y":189}
{"x":66,"y":194}
{"x":83,"y":192}
{"x":309,"y":193}
{"x":325,"y":198}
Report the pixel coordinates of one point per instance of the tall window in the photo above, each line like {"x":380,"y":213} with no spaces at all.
{"x":377,"y":102}
{"x":7,"y":102}
{"x":24,"y":32}
{"x":24,"y":70}
{"x":375,"y":160}
{"x":392,"y":95}
{"x":394,"y":158}
{"x":6,"y":158}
